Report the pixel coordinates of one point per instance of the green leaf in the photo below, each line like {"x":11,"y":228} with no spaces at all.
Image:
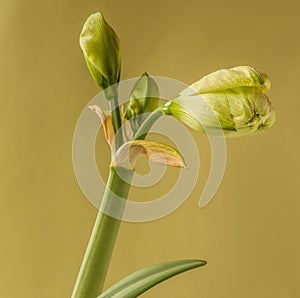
{"x":142,"y":280}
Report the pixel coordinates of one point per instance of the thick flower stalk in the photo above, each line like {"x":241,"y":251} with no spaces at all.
{"x":231,"y":100}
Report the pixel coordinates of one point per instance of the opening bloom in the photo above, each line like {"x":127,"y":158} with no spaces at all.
{"x":232,"y":100}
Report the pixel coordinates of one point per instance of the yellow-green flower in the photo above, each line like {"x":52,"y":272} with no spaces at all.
{"x":229,"y":99}
{"x":100,"y":45}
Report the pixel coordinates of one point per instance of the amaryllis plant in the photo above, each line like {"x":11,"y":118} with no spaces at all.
{"x":229,"y":101}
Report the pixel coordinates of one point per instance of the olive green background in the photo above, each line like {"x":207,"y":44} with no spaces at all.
{"x":249,"y":233}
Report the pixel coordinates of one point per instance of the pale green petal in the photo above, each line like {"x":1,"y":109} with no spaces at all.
{"x":241,"y":106}
{"x":241,"y":76}
{"x":100,"y":45}
{"x":229,"y":99}
{"x":251,"y":109}
{"x":184,"y":115}
{"x":239,"y":111}
{"x":203,"y":111}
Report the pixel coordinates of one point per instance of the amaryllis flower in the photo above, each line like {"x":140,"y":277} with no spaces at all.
{"x":232,"y":100}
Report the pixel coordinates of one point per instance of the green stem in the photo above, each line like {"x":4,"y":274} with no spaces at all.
{"x":94,"y":267}
{"x":147,"y":124}
{"x":117,"y":122}
{"x":96,"y":261}
{"x":111,"y":95}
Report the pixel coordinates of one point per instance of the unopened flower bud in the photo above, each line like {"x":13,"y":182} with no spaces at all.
{"x":100,"y":45}
{"x":143,"y":99}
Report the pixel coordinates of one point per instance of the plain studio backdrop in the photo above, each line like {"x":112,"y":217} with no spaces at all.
{"x":249,"y":233}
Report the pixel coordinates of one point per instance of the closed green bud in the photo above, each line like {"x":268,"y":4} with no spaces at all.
{"x":143,"y":99}
{"x":100,"y":46}
{"x":229,"y":99}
